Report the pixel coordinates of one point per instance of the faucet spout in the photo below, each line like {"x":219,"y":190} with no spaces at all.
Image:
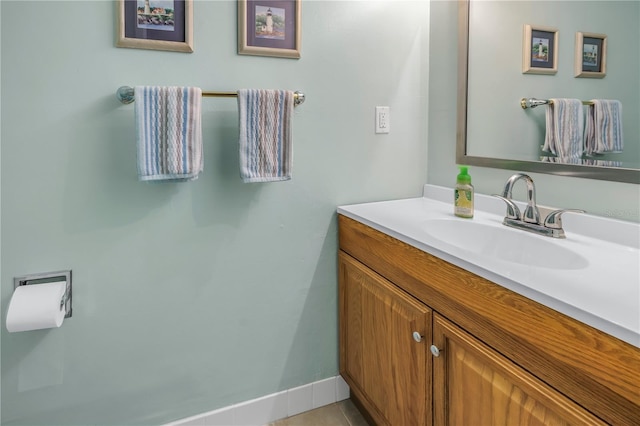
{"x":531,"y":213}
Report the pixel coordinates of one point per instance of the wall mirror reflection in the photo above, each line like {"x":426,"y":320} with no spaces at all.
{"x":494,"y":130}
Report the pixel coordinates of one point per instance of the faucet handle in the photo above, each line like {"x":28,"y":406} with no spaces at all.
{"x":513,"y":212}
{"x":554,"y":219}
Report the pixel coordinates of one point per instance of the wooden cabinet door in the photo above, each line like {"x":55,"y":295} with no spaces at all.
{"x":387,"y":369}
{"x":475,"y":385}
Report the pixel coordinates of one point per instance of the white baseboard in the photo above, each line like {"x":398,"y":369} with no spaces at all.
{"x":276,"y":406}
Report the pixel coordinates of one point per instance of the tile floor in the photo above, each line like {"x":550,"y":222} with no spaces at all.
{"x":342,"y":413}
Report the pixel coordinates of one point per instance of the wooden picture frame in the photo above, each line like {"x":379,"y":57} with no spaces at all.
{"x":143,"y":26}
{"x":269,"y":28}
{"x":590,"y":55}
{"x":539,"y":50}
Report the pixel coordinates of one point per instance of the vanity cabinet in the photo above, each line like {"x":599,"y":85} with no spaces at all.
{"x":501,"y":358}
{"x":381,"y":358}
{"x":475,"y":385}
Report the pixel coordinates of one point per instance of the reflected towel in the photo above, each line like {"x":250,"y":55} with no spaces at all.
{"x":562,"y":160}
{"x":584,"y":161}
{"x":602,"y":163}
{"x":265,"y":134}
{"x":565,"y":126}
{"x":604,"y":127}
{"x":169,"y":132}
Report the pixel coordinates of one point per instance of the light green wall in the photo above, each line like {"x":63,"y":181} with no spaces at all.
{"x":191,"y":296}
{"x":609,"y":199}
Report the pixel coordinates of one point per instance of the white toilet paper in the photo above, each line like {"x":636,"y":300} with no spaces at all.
{"x":36,"y":306}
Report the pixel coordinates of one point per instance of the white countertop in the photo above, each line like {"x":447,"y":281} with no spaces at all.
{"x":604,"y":293}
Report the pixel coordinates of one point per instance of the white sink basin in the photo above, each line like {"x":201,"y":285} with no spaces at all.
{"x":499,"y":242}
{"x":593,"y":275}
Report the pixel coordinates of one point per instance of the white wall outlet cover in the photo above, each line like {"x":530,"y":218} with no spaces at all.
{"x":383,"y":119}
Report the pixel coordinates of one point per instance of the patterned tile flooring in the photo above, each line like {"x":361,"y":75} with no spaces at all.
{"x":342,"y":413}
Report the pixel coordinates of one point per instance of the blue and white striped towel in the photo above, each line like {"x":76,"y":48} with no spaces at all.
{"x":604,"y":127}
{"x":565,"y":128}
{"x":265,"y":134}
{"x":168,"y":132}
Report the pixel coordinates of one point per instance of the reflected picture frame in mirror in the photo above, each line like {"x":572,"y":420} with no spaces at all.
{"x":539,"y":50}
{"x":590,"y":55}
{"x":599,"y":172}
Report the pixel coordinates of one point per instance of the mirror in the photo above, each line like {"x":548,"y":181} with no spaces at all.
{"x":495,"y":131}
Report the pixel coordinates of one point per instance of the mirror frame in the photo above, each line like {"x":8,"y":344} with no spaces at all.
{"x":581,"y":171}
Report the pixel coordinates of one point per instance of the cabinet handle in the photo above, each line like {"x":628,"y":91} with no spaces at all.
{"x":435,"y":351}
{"x":417,"y":337}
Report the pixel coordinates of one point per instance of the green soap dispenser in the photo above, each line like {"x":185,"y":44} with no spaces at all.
{"x":463,"y":193}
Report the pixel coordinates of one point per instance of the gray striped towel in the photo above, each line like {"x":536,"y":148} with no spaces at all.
{"x":265,"y":134}
{"x":168,"y":132}
{"x":565,"y":129}
{"x":604,"y":127}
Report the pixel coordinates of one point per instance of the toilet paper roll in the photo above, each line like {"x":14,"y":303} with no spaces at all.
{"x":36,"y":306}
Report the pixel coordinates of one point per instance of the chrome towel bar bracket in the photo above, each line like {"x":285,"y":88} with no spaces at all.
{"x":533,"y":102}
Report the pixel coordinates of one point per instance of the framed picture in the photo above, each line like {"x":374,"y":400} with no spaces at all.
{"x":539,"y":50}
{"x":269,"y":28}
{"x":591,"y":55}
{"x":156,"y":24}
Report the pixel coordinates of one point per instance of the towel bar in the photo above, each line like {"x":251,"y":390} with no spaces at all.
{"x":533,"y":102}
{"x":125,"y":94}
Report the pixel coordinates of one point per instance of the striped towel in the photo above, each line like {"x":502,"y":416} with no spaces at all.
{"x":562,"y":160}
{"x":565,"y":128}
{"x":265,"y":134}
{"x":169,"y":132}
{"x":604,"y":127}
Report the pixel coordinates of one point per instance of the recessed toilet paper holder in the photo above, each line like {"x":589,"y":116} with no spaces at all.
{"x":49,"y":277}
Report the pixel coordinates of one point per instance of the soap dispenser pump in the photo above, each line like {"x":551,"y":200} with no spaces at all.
{"x":463,"y":194}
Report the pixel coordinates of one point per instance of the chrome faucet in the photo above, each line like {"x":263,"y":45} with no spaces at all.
{"x":531,"y":220}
